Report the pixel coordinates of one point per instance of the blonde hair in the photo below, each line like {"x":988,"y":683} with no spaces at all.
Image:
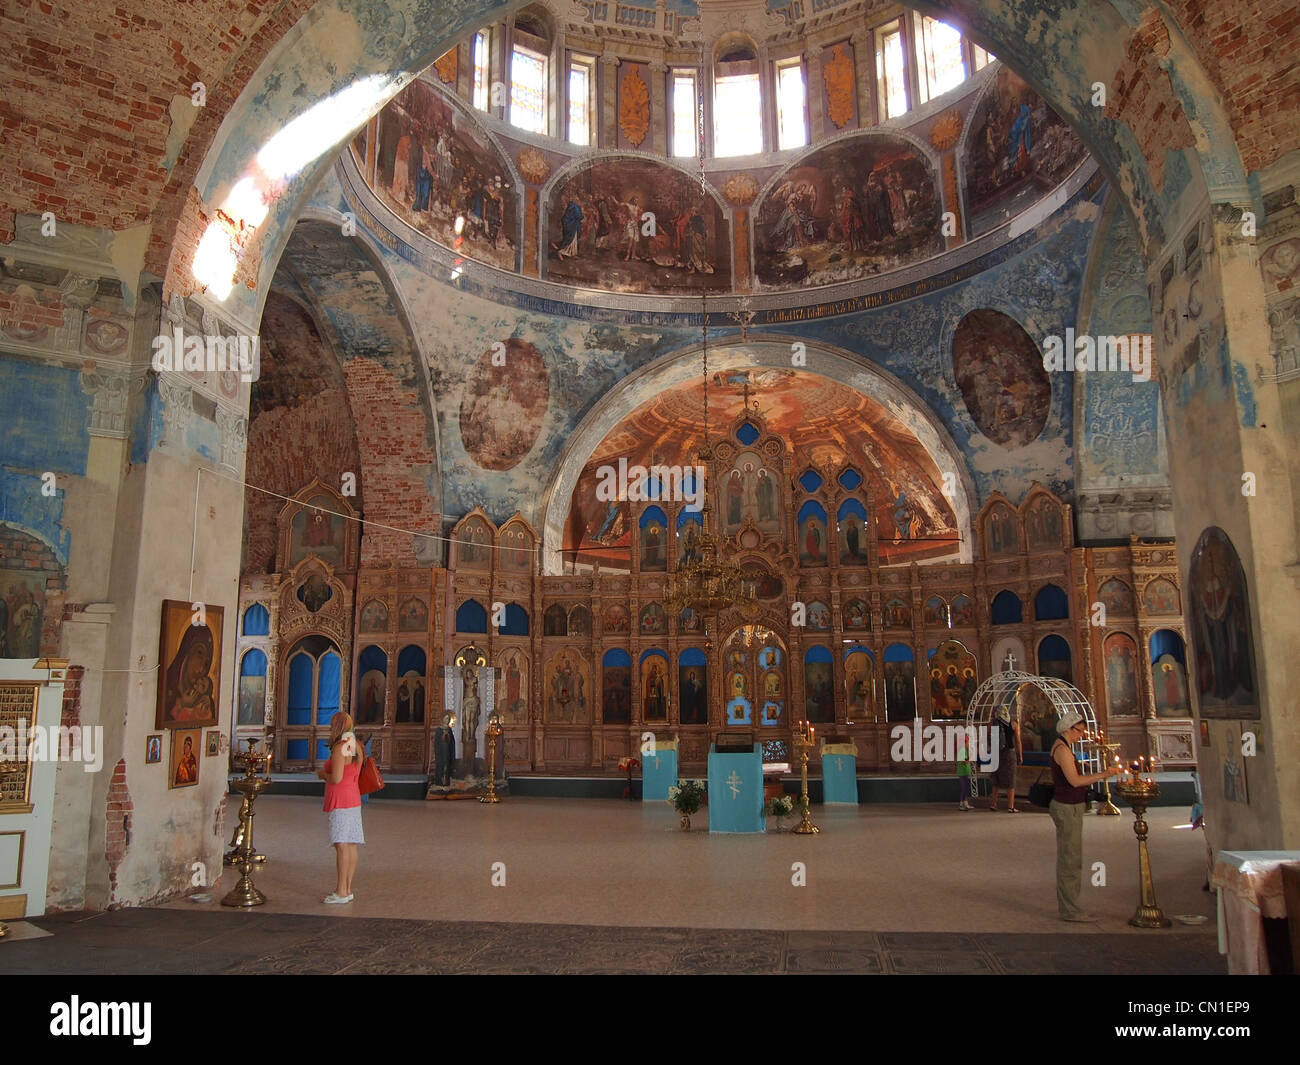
{"x":340,"y":724}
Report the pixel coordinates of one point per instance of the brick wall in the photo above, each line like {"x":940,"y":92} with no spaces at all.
{"x":117,"y":822}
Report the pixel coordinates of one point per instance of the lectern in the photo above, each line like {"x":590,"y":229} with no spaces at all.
{"x":736,"y":784}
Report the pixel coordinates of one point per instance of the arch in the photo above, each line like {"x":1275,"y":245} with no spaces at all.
{"x":515,"y":622}
{"x":693,"y":686}
{"x":1051,"y":603}
{"x":899,"y":677}
{"x":471,"y":616}
{"x":257,"y":621}
{"x":616,"y":687}
{"x":1006,"y":608}
{"x":1002,"y":696}
{"x":580,"y":621}
{"x":1055,"y":658}
{"x":1168,"y":656}
{"x":555,"y":622}
{"x":372,"y":686}
{"x":251,"y":705}
{"x":770,"y":350}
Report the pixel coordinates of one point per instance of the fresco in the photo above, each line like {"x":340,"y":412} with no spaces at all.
{"x":1169,"y":683}
{"x":1017,"y":150}
{"x":848,"y":211}
{"x":1120,"y":655}
{"x":512,"y":688}
{"x":1219,"y":620}
{"x":1000,"y":373}
{"x":599,"y":235}
{"x":22,"y":609}
{"x":436,"y":165}
{"x":751,"y":493}
{"x":952,"y":681}
{"x":504,"y":404}
{"x":567,"y":689}
{"x":1043,"y":525}
{"x":859,"y":685}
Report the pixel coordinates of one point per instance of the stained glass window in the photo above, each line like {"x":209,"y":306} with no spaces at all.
{"x":528,"y":90}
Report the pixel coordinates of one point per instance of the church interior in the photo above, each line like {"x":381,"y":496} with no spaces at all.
{"x":567,"y":388}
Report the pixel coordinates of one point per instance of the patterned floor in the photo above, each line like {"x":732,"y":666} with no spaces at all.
{"x":142,"y":941}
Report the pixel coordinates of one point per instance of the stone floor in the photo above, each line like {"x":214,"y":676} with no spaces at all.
{"x":608,"y":886}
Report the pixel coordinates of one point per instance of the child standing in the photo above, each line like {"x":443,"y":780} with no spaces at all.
{"x":964,"y":774}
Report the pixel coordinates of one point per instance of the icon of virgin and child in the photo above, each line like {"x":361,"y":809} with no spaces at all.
{"x":189,"y":689}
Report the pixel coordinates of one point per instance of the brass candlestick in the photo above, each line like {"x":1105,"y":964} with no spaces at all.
{"x":4,"y":929}
{"x":1139,"y":794}
{"x":250,"y":785}
{"x":803,"y":739}
{"x":494,"y":731}
{"x":1108,"y":808}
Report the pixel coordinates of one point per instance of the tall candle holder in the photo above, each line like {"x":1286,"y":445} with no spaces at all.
{"x":1108,"y":808}
{"x":803,"y":739}
{"x":250,"y":785}
{"x":494,"y":731}
{"x":1140,"y":792}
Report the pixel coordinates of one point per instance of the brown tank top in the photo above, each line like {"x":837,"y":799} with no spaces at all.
{"x":1065,"y":792}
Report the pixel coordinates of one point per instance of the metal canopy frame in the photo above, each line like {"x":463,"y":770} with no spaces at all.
{"x":998,"y":693}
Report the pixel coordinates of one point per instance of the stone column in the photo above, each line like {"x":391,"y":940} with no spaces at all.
{"x":813,"y":93}
{"x":659,"y":105}
{"x":608,"y":123}
{"x":864,"y":63}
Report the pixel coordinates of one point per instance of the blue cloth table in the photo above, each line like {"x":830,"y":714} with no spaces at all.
{"x":736,"y":792}
{"x":658,"y":773}
{"x":839,"y":775}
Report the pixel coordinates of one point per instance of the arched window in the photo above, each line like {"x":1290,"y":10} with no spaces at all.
{"x":555,"y":622}
{"x":257,"y":621}
{"x":471,"y":617}
{"x":737,"y":99}
{"x":1006,"y":609}
{"x":1051,"y":604}
{"x":1054,"y":658}
{"x":314,"y":691}
{"x":791,"y":104}
{"x":530,"y":49}
{"x":515,"y":622}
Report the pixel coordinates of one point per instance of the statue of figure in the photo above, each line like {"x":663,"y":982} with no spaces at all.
{"x":469,"y":708}
{"x":444,"y":751}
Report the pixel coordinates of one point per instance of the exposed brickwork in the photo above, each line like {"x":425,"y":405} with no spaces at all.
{"x":1144,"y":100}
{"x":72,"y":697}
{"x":394,"y":461}
{"x":117,"y":822}
{"x":22,"y":551}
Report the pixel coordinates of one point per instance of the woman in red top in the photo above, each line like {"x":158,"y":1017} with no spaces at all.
{"x":343,"y":803}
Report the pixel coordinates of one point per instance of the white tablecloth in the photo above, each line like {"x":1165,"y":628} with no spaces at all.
{"x":1249,"y":887}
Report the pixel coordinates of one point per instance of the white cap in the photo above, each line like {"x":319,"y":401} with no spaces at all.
{"x":1068,"y":720}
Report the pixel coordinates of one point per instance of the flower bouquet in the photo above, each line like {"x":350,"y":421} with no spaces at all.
{"x":686,"y":798}
{"x":779,"y":807}
{"x":627,"y":763}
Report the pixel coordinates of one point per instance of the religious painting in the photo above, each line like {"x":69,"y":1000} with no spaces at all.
{"x":1219,"y":617}
{"x":812,"y":535}
{"x":153,"y":748}
{"x":189,"y":673}
{"x":688,"y":541}
{"x":212,"y":743}
{"x":372,"y":694}
{"x":567,"y":688}
{"x":857,"y":615}
{"x":767,"y":585}
{"x":252,"y":700}
{"x":555,"y":622}
{"x":1001,"y":531}
{"x":653,"y":619}
{"x":410,"y":698}
{"x":1120,"y":655}
{"x":897,"y":614}
{"x":852,"y":523}
{"x":1169,"y":683}
{"x":516,"y":549}
{"x":654,"y":554}
{"x":999,"y":370}
{"x":617,"y":619}
{"x":473,"y":543}
{"x":693,"y":681}
{"x":1161,"y":597}
{"x":374,"y":617}
{"x":635,"y":225}
{"x":936,"y":612}
{"x":962,"y":611}
{"x":1018,"y":150}
{"x":952,"y":681}
{"x":1043,"y":525}
{"x":654,"y":687}
{"x":413,"y":616}
{"x":900,"y":690}
{"x":616,"y":689}
{"x":859,"y":685}
{"x":819,"y":689}
{"x":1235,"y":788}
{"x":819,"y":616}
{"x":439,"y":172}
{"x":183,"y":766}
{"x":750,"y":493}
{"x":359,"y":146}
{"x":1117,"y":597}
{"x":580,"y":621}
{"x":851,"y":210}
{"x":22,"y":612}
{"x":504,"y":404}
{"x":689,"y":621}
{"x":1054,"y":658}
{"x":318,"y":529}
{"x":1037,"y":719}
{"x":512,"y":692}
{"x":315,"y":592}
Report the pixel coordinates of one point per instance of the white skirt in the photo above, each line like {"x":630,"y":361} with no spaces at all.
{"x":345,"y":826}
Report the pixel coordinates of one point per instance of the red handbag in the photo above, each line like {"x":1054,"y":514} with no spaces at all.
{"x":369,"y":780}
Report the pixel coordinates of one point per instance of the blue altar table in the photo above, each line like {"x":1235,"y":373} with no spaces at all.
{"x":736,"y":792}
{"x":658,"y":772}
{"x":839,"y":774}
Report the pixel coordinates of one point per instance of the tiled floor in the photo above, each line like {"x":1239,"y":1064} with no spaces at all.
{"x":604,"y":886}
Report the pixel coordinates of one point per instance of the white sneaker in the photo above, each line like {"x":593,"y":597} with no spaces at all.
{"x":335,"y":899}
